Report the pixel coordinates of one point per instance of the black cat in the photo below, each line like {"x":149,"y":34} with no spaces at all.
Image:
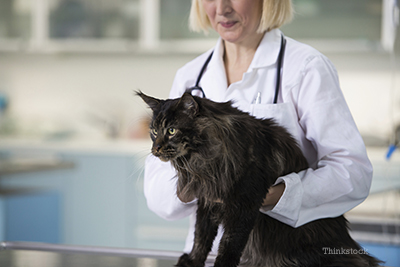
{"x":228,"y":160}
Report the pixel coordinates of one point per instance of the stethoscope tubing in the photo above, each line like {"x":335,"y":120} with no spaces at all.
{"x":279,"y":74}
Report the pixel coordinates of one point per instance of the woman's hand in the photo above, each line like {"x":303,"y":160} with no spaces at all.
{"x":271,"y":199}
{"x":185,"y":195}
{"x":274,"y":194}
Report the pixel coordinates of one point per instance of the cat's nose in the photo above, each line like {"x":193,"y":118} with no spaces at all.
{"x":157,"y":147}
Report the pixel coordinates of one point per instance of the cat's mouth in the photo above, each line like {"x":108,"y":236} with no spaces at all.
{"x":167,"y":154}
{"x":164,"y":155}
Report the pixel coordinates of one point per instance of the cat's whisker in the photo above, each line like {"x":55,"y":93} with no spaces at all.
{"x":139,"y":168}
{"x":187,"y":166}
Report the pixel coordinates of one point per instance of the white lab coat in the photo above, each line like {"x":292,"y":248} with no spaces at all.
{"x":310,"y":105}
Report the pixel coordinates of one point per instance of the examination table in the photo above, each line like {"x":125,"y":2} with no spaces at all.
{"x":29,"y":254}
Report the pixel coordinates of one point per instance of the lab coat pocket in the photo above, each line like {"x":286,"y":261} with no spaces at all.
{"x":283,"y":113}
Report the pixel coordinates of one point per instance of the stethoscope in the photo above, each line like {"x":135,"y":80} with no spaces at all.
{"x":196,"y":90}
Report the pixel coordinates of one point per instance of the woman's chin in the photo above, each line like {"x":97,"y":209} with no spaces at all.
{"x":229,"y":37}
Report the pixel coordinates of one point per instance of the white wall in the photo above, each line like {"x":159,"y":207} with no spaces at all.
{"x":63,"y":92}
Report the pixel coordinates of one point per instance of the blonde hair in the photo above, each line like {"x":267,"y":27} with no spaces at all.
{"x":275,"y":13}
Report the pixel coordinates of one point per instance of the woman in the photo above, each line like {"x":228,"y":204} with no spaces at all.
{"x":309,"y":103}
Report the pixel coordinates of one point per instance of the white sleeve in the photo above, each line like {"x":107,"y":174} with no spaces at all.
{"x":160,"y":190}
{"x":160,"y":180}
{"x":343,"y":175}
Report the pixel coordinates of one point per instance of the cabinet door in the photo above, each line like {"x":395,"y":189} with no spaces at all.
{"x":33,"y":217}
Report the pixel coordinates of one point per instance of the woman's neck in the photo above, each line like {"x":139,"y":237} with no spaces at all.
{"x":238,"y":57}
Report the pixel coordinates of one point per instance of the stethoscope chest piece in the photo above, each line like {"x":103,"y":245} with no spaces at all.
{"x":196,"y":91}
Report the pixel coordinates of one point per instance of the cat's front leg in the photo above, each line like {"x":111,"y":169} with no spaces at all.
{"x":206,"y":229}
{"x":234,"y":240}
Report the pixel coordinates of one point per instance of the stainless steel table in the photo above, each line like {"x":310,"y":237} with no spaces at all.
{"x":17,"y":166}
{"x":27,"y":254}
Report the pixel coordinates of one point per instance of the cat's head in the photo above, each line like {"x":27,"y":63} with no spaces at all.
{"x":172,"y":127}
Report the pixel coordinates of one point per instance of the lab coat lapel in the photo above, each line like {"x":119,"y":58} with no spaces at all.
{"x":268,"y":50}
{"x":214,"y":81}
{"x":265,"y":60}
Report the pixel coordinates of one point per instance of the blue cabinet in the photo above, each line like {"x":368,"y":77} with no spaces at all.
{"x":34,"y":217}
{"x":390,"y":254}
{"x":87,"y":205}
{"x":100,"y":202}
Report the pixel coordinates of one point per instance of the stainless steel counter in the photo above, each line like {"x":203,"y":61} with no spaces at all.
{"x":27,"y":254}
{"x":15,"y":166}
{"x":28,"y":165}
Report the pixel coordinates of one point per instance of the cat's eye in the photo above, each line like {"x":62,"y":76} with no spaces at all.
{"x":172,"y":131}
{"x":154,"y":131}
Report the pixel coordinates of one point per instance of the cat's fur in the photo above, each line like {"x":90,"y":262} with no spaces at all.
{"x":228,"y":160}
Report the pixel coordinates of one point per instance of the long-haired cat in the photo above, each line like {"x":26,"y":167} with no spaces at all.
{"x":228,"y":160}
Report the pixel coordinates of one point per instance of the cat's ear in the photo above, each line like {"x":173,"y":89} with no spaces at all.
{"x":190,"y":105}
{"x":152,"y":102}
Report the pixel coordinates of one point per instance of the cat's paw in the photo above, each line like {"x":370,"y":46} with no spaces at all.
{"x":186,"y":261}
